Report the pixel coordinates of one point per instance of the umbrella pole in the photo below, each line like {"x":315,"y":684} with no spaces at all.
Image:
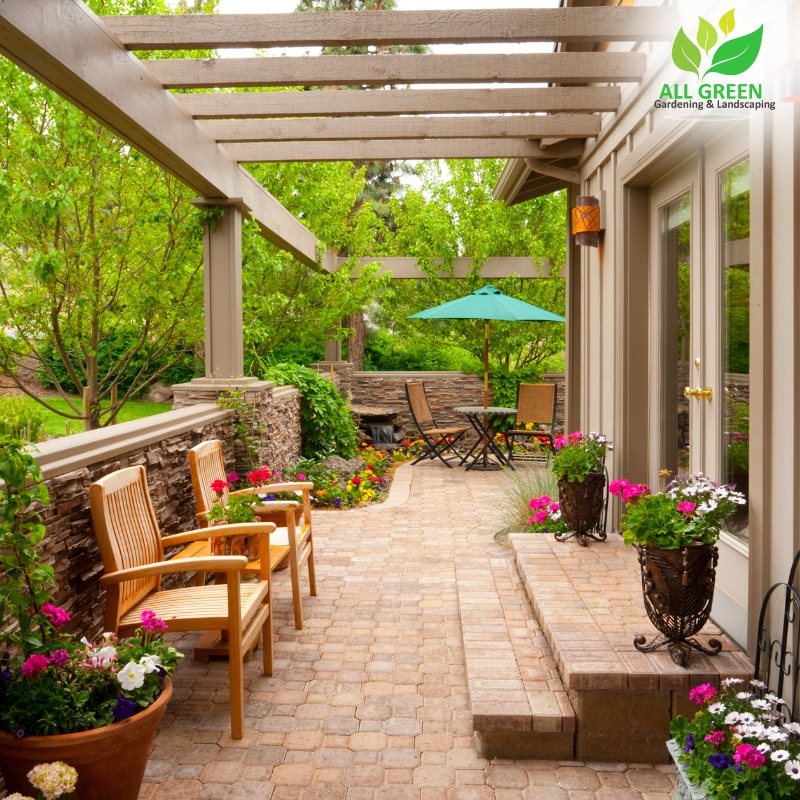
{"x":486,"y":366}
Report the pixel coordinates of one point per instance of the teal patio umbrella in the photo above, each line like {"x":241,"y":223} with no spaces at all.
{"x":487,"y":304}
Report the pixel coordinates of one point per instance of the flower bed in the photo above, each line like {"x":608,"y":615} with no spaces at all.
{"x":738,"y":746}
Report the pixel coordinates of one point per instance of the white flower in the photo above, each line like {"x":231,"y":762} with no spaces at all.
{"x":732,"y":681}
{"x":762,"y":705}
{"x":106,"y":656}
{"x":53,"y":780}
{"x":150,"y":663}
{"x":131,"y":676}
{"x":747,"y":718}
{"x":764,"y":748}
{"x":777,"y":736}
{"x":732,"y":718}
{"x":18,"y":796}
{"x":792,"y":727}
{"x":793,"y":769}
{"x":716,"y":708}
{"x":758,"y":684}
{"x":780,"y":755}
{"x":744,"y":695}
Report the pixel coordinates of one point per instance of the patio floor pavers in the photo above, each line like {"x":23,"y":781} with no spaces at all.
{"x":370,"y":700}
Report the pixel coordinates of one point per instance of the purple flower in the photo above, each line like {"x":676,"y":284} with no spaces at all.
{"x":689,"y":746}
{"x":59,"y":657}
{"x":337,"y":501}
{"x":20,"y":733}
{"x":5,"y":679}
{"x":720,"y":761}
{"x":124,"y":708}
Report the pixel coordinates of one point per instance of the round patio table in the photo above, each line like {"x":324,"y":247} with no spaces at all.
{"x":486,"y":422}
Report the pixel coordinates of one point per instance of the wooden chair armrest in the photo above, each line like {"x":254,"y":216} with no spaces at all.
{"x":278,"y":505}
{"x":207,"y":564}
{"x":289,"y":486}
{"x":239,"y":529}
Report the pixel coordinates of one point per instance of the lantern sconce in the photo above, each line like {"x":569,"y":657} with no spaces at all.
{"x":588,"y":219}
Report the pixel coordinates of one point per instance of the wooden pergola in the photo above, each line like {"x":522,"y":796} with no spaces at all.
{"x":203,"y":137}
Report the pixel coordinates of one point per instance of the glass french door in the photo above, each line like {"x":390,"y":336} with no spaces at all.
{"x":700,"y":340}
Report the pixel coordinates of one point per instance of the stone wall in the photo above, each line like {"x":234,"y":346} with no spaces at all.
{"x":558,"y":379}
{"x":161,"y":444}
{"x":445,"y":390}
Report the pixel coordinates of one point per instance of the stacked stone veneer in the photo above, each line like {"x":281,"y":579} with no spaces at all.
{"x":161,"y":445}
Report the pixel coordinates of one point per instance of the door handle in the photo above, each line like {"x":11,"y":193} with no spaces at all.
{"x":698,"y":392}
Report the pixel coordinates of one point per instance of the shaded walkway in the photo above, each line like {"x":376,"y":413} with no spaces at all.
{"x":369,"y":702}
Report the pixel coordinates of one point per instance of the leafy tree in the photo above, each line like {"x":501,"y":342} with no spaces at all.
{"x":454,"y":215}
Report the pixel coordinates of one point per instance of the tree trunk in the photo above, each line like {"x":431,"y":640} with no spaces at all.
{"x":355,"y":344}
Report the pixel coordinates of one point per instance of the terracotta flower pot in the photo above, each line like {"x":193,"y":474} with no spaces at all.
{"x":279,"y":517}
{"x":110,"y":761}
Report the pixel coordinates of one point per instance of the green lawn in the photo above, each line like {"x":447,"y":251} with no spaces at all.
{"x":55,"y":424}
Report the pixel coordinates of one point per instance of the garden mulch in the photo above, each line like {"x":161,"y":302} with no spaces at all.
{"x":369,"y":701}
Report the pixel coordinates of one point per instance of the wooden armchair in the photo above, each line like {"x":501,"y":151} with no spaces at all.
{"x":294,"y":535}
{"x":132,"y":550}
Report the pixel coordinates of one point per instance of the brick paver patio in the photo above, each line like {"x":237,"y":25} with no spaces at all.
{"x":369,"y":701}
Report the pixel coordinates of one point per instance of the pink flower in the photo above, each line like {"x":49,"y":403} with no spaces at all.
{"x":575,"y":437}
{"x":617,"y":487}
{"x":219,"y":486}
{"x":541,"y":516}
{"x":554,"y":507}
{"x":633,"y":490}
{"x":686,"y":507}
{"x":34,"y":664}
{"x":531,"y":521}
{"x":59,"y":657}
{"x":302,"y":477}
{"x":56,"y":615}
{"x":747,"y":754}
{"x":717,"y":738}
{"x":231,"y":477}
{"x":559,"y":442}
{"x":539,"y":502}
{"x":150,"y":622}
{"x":704,"y":693}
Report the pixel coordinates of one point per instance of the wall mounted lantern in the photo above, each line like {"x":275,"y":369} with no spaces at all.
{"x":586,"y":222}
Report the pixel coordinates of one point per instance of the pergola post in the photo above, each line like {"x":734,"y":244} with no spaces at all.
{"x":222,"y":252}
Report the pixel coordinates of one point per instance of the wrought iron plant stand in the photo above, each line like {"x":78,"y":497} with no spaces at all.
{"x":584,"y":508}
{"x":678,"y":587}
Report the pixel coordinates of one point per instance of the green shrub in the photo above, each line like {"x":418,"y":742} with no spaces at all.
{"x":21,"y":420}
{"x":384,"y":350}
{"x":325,"y":421}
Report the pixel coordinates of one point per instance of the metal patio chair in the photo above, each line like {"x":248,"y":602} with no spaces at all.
{"x":536,"y":403}
{"x":424,"y":420}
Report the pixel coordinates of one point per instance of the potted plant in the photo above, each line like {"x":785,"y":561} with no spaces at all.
{"x":238,"y":509}
{"x":579,"y":468}
{"x":675,"y":533}
{"x":738,"y":745}
{"x":94,"y":706}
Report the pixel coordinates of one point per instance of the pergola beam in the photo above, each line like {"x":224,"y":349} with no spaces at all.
{"x":406,"y":268}
{"x":517,"y":127}
{"x":233,"y":105}
{"x":64,"y":45}
{"x":199,"y":73}
{"x":383,"y":28}
{"x":392,"y":150}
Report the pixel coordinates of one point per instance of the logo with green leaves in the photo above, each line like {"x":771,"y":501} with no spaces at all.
{"x":732,"y":57}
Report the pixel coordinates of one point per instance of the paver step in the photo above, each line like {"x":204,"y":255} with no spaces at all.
{"x":519,"y":706}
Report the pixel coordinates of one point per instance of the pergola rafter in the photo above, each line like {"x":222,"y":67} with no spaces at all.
{"x":381,"y":28}
{"x":242,"y":105}
{"x":371,"y":70}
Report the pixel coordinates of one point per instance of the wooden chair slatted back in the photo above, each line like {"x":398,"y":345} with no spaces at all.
{"x":206,"y":465}
{"x":536,"y":402}
{"x":420,"y":407}
{"x":127,"y":531}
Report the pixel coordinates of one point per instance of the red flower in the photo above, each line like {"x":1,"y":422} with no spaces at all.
{"x":406,"y":443}
{"x":356,"y":480}
{"x":219,"y":486}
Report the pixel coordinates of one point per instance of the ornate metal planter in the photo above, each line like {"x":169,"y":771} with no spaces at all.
{"x":582,"y":505}
{"x":678,"y":587}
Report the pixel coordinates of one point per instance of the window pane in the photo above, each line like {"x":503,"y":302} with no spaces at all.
{"x":736,"y":335}
{"x":676,"y":271}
